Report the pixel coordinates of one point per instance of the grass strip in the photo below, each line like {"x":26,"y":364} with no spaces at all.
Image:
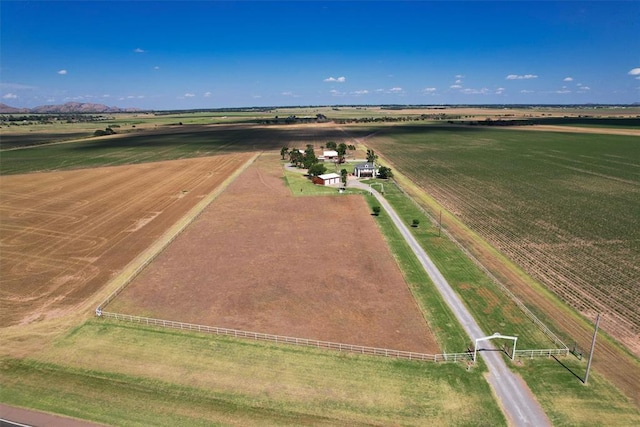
{"x":491,"y":308}
{"x":152,"y":376}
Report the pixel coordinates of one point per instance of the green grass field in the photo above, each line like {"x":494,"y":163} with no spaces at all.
{"x":124,"y":374}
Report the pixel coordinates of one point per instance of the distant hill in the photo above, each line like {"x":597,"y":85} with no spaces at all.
{"x":5,"y":109}
{"x":69,"y":107}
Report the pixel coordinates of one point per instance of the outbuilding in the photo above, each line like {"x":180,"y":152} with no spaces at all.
{"x":327,"y":179}
{"x":368,"y":170}
{"x":328,"y":155}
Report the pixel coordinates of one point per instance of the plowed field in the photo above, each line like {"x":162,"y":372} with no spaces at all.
{"x":261,"y":260}
{"x":63,"y":235}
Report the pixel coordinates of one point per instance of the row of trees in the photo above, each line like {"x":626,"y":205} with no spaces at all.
{"x":307,"y":159}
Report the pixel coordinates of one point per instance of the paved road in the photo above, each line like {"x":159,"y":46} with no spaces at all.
{"x":516,"y":400}
{"x":11,"y":416}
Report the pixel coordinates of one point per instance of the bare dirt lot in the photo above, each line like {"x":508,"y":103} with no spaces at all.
{"x":63,"y":235}
{"x":262,"y":260}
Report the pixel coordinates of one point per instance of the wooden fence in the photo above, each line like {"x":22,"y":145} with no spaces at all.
{"x":351,"y":348}
{"x":541,"y":353}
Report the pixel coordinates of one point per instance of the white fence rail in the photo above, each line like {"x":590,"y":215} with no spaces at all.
{"x":542,"y":353}
{"x":351,"y":348}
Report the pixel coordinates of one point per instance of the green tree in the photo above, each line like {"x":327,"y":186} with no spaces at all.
{"x":376,"y":210}
{"x":385,"y":172}
{"x":284,"y":151}
{"x":371,"y":156}
{"x":342,"y":150}
{"x":295,"y":157}
{"x":331,"y":145}
{"x":309,"y":159}
{"x":316,"y":169}
{"x":351,"y":147}
{"x":343,"y":176}
{"x":415,"y":223}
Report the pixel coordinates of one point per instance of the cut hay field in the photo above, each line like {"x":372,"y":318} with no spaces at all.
{"x":259,"y":259}
{"x":65,"y":234}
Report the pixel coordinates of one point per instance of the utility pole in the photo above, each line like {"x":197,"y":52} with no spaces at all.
{"x":593,"y":346}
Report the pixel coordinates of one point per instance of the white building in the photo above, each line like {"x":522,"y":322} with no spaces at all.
{"x":327,"y":179}
{"x":368,"y":170}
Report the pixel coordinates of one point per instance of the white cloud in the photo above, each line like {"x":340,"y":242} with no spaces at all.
{"x":459,"y":76}
{"x":395,"y":90}
{"x":429,"y":89}
{"x":360,"y":92}
{"x":138,"y":50}
{"x":189,"y":95}
{"x":455,"y":87}
{"x":527,"y":91}
{"x":458,"y":82}
{"x":521,"y":77}
{"x":62,"y":72}
{"x":567,"y":79}
{"x":634,"y":72}
{"x":10,"y":96}
{"x":483,"y":91}
{"x":207,"y":94}
{"x":335,"y":80}
{"x":500,"y":91}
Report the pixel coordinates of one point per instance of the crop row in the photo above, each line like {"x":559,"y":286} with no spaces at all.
{"x":563,"y":208}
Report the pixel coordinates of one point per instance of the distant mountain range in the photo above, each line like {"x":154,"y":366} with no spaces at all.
{"x":69,"y":107}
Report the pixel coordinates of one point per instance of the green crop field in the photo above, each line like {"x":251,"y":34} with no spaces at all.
{"x":563,"y":206}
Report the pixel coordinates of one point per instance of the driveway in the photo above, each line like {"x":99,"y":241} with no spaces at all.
{"x":515,"y":398}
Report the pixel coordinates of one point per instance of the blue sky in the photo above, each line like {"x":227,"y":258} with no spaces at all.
{"x":215,"y":54}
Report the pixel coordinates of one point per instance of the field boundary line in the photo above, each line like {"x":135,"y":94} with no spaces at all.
{"x":306,"y":342}
{"x":545,"y":330}
{"x":141,"y":261}
{"x":282,"y":339}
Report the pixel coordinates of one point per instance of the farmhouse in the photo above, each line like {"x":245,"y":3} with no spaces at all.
{"x":365,"y":170}
{"x":327,"y":179}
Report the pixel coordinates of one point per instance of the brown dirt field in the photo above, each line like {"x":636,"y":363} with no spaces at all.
{"x":65,"y":234}
{"x":261,"y":260}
